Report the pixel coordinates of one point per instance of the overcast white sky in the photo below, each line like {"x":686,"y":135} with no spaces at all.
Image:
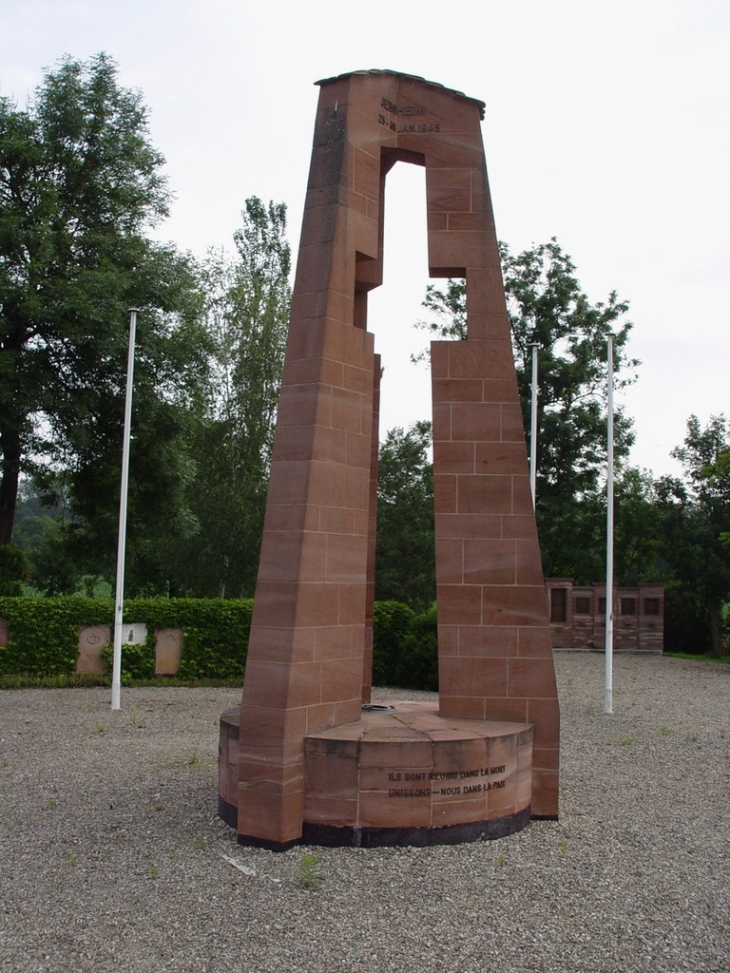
{"x":607,"y":126}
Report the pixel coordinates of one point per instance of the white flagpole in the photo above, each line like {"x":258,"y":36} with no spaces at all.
{"x":608,"y":691}
{"x":121,"y":545}
{"x":533,"y":425}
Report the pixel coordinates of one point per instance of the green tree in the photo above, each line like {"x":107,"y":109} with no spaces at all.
{"x":547,"y":307}
{"x":80,"y":185}
{"x":695,"y":530}
{"x":405,"y":553}
{"x":247,"y":314}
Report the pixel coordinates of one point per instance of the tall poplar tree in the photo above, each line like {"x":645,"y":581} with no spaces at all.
{"x":247,"y":316}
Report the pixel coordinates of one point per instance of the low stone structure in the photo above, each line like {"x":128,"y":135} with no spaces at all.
{"x":578,"y":616}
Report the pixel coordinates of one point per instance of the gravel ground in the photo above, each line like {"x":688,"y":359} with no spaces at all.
{"x":112,"y":858}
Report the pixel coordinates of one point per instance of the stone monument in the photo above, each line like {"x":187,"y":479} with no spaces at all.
{"x":304,"y":757}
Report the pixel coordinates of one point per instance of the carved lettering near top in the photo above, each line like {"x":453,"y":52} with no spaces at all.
{"x":400,"y":111}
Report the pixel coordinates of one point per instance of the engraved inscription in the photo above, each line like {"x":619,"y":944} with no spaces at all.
{"x":390,"y":112}
{"x":471,"y":783}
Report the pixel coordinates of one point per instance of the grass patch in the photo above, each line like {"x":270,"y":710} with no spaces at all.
{"x":723,"y":660}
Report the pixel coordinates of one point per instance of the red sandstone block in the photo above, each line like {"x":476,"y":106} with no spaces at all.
{"x":269,"y":812}
{"x":524,"y":753}
{"x":544,"y":794}
{"x":523,"y":790}
{"x":466,"y":675}
{"x":378,"y":810}
{"x":441,"y":413}
{"x":366,"y":173}
{"x":491,"y":562}
{"x":316,"y":604}
{"x":341,"y":679}
{"x":510,"y":605}
{"x":476,"y":640}
{"x":356,"y":487}
{"x":485,"y":290}
{"x":344,"y":559}
{"x":535,"y":643}
{"x":337,"y":642}
{"x":288,"y":483}
{"x":528,"y":566}
{"x":358,"y":448}
{"x":478,"y":359}
{"x":460,"y":754}
{"x":484,"y":494}
{"x":468,"y":221}
{"x":513,"y":429}
{"x":278,"y":686}
{"x":455,"y":248}
{"x":448,"y":812}
{"x":445,"y":487}
{"x":520,"y":526}
{"x":522,"y":495}
{"x":500,"y":458}
{"x":457,"y":390}
{"x":450,"y":561}
{"x":500,"y":389}
{"x":546,"y":758}
{"x":294,"y":552}
{"x":504,"y":801}
{"x":326,"y":810}
{"x":460,"y":604}
{"x":351,"y":410}
{"x":435,"y":222}
{"x":503,"y":708}
{"x":461,"y":707}
{"x":351,"y":604}
{"x":332,"y":775}
{"x":456,"y":457}
{"x":449,"y":524}
{"x":275,"y":607}
{"x":414,"y":751}
{"x":544,"y":713}
{"x":320,"y":717}
{"x":357,"y":202}
{"x":527,"y":677}
{"x":442,"y":155}
{"x":480,"y":421}
{"x":502,"y":757}
{"x":297,"y":407}
{"x":281,"y":644}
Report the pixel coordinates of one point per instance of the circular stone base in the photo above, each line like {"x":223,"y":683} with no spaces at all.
{"x":409,"y":776}
{"x":403,"y":776}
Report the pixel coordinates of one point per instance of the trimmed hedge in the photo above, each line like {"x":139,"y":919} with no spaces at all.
{"x":405,"y":647}
{"x":44,"y":634}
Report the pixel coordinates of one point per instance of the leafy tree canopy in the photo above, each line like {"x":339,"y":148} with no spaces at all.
{"x":405,"y":554}
{"x":695,"y":526}
{"x":80,"y":185}
{"x":547,"y":307}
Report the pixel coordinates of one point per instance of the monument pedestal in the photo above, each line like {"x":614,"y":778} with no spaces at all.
{"x":403,"y":775}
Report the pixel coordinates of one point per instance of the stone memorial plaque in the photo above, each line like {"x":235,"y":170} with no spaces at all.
{"x":92,"y":639}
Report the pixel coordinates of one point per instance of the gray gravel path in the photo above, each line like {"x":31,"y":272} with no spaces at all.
{"x":112,"y":858}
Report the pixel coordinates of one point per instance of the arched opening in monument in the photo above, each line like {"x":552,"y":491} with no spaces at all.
{"x":405,"y":550}
{"x":395,"y":306}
